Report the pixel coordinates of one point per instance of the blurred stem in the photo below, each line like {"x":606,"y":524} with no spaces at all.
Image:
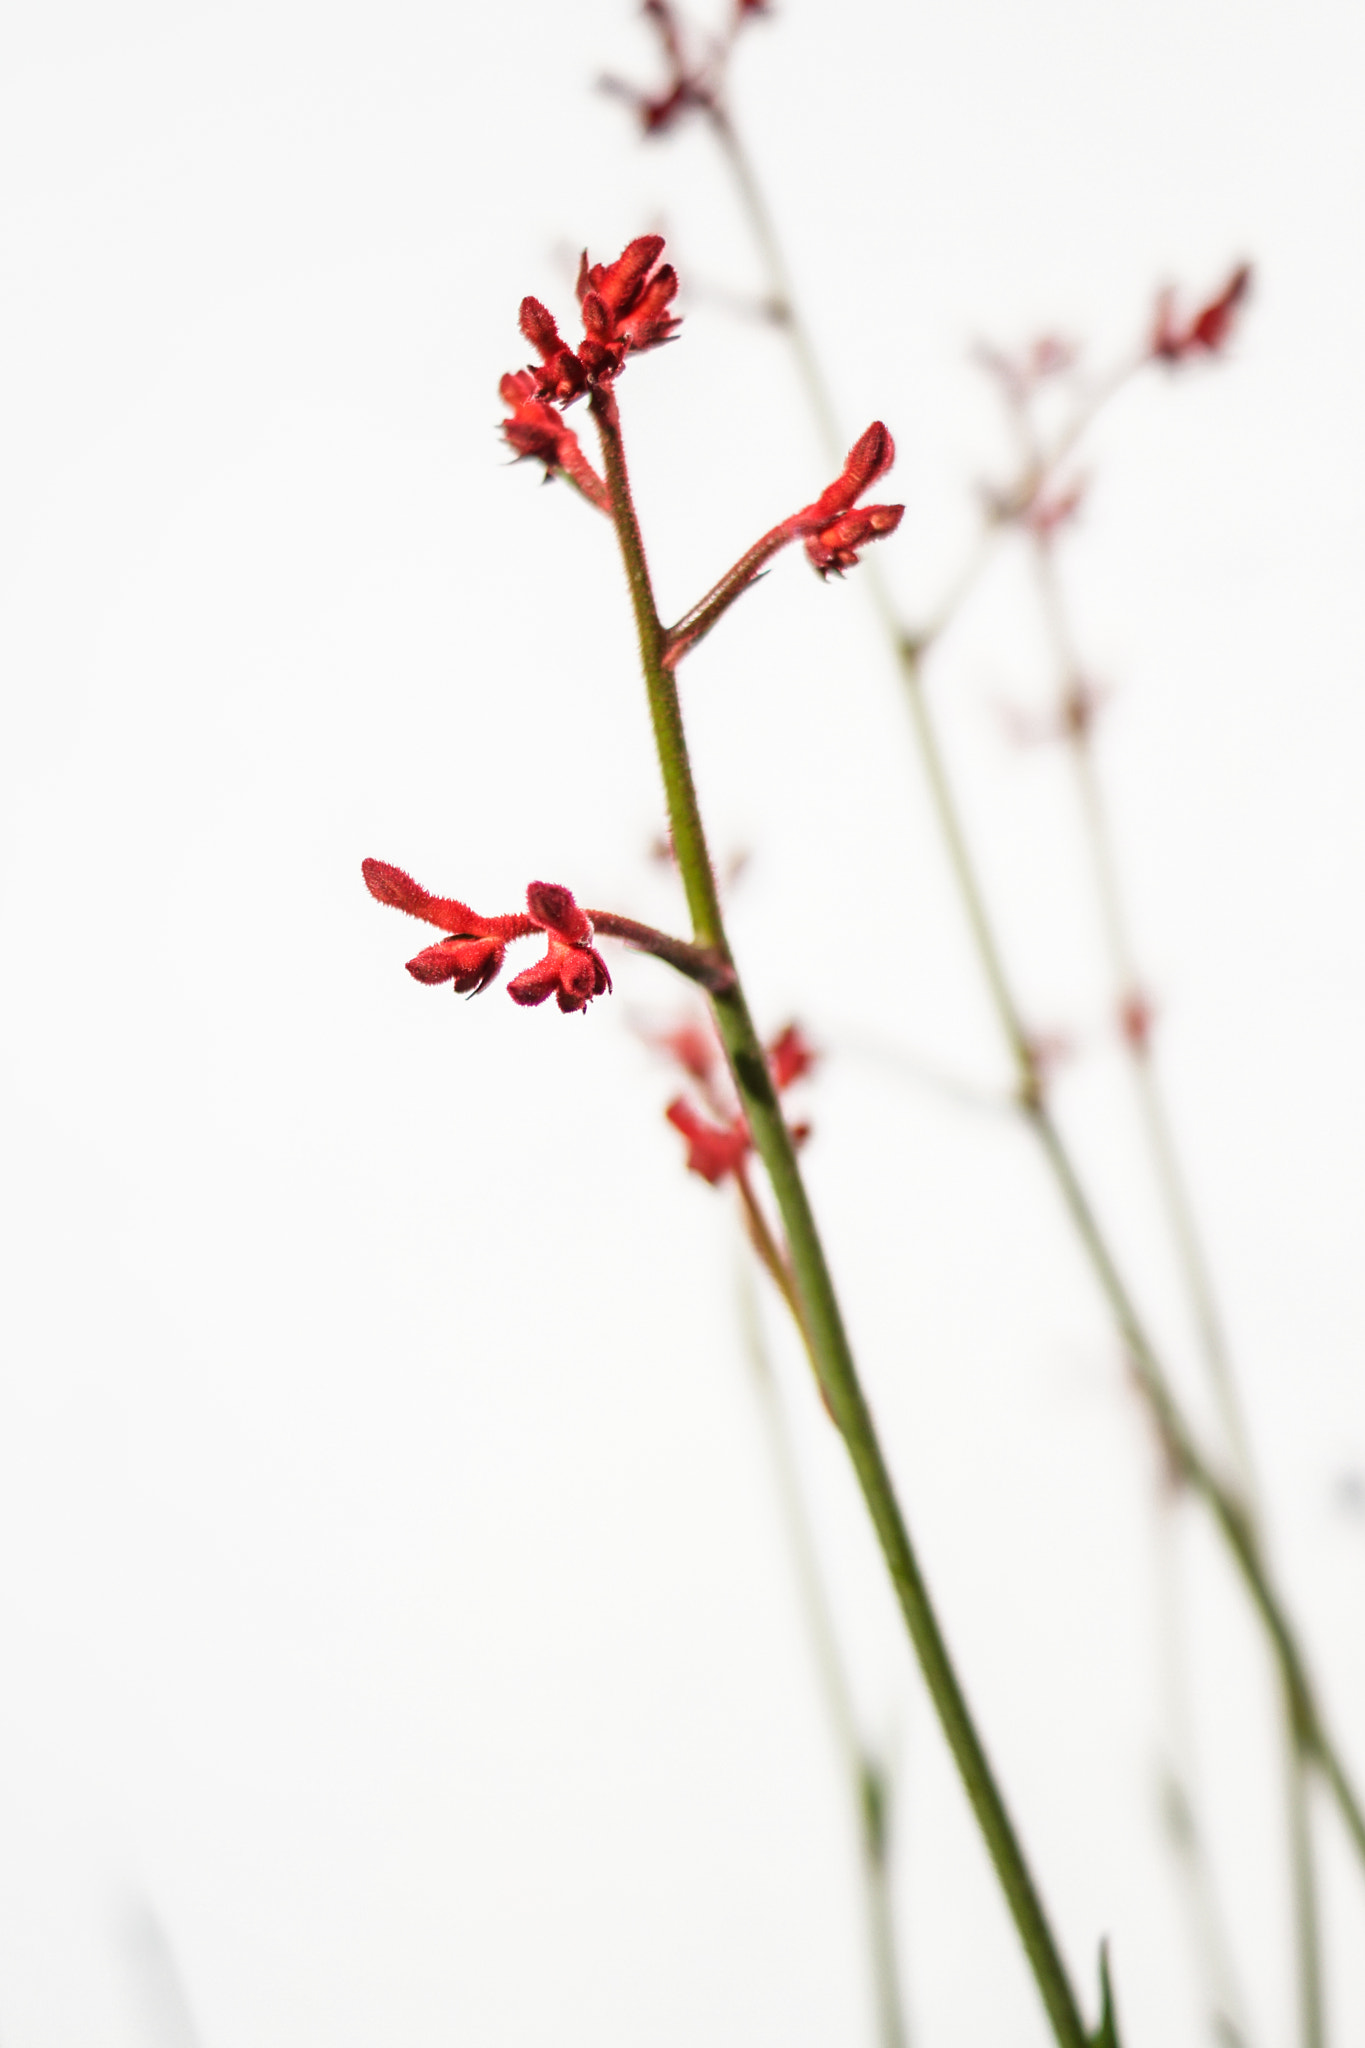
{"x":1173,"y":1190}
{"x":1184,"y":1832}
{"x":1127,"y":986}
{"x":1224,"y":1500}
{"x":866,"y":1776}
{"x":1308,"y":1940}
{"x":821,"y":1319}
{"x":781,"y":297}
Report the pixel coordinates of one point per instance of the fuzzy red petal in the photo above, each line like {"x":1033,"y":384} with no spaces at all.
{"x":553,"y":908}
{"x":470,"y":963}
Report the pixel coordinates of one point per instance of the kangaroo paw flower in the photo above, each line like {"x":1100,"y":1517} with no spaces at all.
{"x":834,"y":528}
{"x":472,"y":953}
{"x":1204,"y":332}
{"x":572,"y":971}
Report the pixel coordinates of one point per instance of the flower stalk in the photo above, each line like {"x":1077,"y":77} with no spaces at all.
{"x":821,"y":1319}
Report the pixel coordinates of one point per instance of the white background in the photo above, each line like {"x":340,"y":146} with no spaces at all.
{"x":398,"y":1638}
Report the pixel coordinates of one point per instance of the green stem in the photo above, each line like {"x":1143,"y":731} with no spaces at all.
{"x":866,"y":1779}
{"x":1303,"y":1879}
{"x":821,"y":1316}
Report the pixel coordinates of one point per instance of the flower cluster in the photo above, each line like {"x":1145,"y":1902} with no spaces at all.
{"x":625,"y":308}
{"x":472,"y":953}
{"x":718,"y":1142}
{"x":1204,"y":332}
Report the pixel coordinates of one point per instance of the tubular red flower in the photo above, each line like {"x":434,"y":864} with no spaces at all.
{"x":833,"y":530}
{"x":1206,"y":332}
{"x":572,"y":971}
{"x":625,"y":311}
{"x":534,"y":429}
{"x":625,"y":303}
{"x":472,"y":955}
{"x":719,"y":1142}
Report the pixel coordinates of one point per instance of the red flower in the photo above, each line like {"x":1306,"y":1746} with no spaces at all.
{"x":625,"y":311}
{"x":718,"y":1143}
{"x":790,"y":1057}
{"x":472,"y":955}
{"x":572,"y":971}
{"x":536,"y":429}
{"x":833,"y":528}
{"x":713,"y":1150}
{"x":625,"y":305}
{"x":1208,"y":329}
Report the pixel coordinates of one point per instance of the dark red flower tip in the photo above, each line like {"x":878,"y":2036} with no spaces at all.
{"x":1205,"y":332}
{"x":713,"y":1150}
{"x":553,"y":908}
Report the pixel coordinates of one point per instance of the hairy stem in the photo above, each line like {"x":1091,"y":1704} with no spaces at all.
{"x":820,"y":1314}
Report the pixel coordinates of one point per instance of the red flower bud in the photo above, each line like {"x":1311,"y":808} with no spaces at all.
{"x":1207,"y":331}
{"x":833,"y":528}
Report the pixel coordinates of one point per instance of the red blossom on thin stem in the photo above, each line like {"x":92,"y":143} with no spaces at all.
{"x":834,"y":529}
{"x":1203,"y":333}
{"x":572,"y":970}
{"x":718,"y":1142}
{"x":472,"y":955}
{"x":534,"y":429}
{"x":625,"y":307}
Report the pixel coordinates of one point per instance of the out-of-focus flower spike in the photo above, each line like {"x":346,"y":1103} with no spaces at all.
{"x":791,"y":1056}
{"x":1205,"y":332}
{"x":713,"y":1151}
